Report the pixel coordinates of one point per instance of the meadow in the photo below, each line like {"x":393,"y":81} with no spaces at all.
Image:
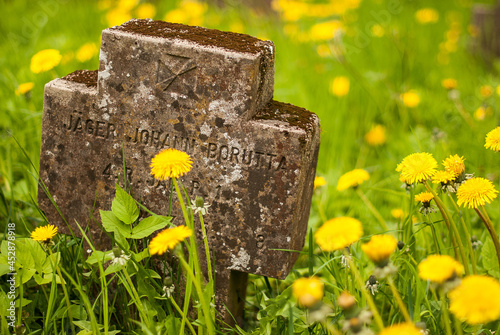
{"x":401,"y":91}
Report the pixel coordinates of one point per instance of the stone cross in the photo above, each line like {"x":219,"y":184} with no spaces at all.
{"x":209,"y":93}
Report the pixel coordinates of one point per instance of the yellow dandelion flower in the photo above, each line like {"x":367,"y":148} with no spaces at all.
{"x":376,"y":135}
{"x":339,"y":86}
{"x":439,"y":268}
{"x":377,"y":30}
{"x":410,"y":99}
{"x":86,"y":52}
{"x":417,"y":167}
{"x":319,"y":181}
{"x":323,"y":50}
{"x":444,"y":177}
{"x":401,"y":329}
{"x":127,"y":4}
{"x":480,"y":113}
{"x":188,"y":12}
{"x":308,"y":291}
{"x":454,"y":164}
{"x":338,"y":233}
{"x":170,"y":163}
{"x":397,"y":213}
{"x":476,"y":192}
{"x":476,"y":300}
{"x":380,"y":248}
{"x":44,"y":234}
{"x":424,"y":197}
{"x":117,"y":16}
{"x":493,"y":140}
{"x":24,"y":88}
{"x":498,"y":90}
{"x":485,"y":91}
{"x":146,"y":11}
{"x":427,"y":15}
{"x":449,"y":83}
{"x":352,"y":178}
{"x":45,"y":60}
{"x":325,"y":30}
{"x":168,"y":239}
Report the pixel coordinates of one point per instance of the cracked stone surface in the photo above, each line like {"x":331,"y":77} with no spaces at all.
{"x":209,"y":93}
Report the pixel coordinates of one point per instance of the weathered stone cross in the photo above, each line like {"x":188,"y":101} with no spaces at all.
{"x":206,"y":92}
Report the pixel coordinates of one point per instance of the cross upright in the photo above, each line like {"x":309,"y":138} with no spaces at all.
{"x":208,"y":93}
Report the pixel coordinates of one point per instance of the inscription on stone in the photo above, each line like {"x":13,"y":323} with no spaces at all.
{"x":208,"y":93}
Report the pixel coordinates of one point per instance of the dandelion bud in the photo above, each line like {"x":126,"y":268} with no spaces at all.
{"x":117,"y":252}
{"x":167,"y":281}
{"x":199,"y":201}
{"x":401,"y":245}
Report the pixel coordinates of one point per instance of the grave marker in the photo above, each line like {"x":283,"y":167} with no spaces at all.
{"x":208,"y":93}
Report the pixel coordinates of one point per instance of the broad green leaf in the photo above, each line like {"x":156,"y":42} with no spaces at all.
{"x":112,"y":269}
{"x":77,"y":312}
{"x":99,"y":256}
{"x":124,"y":206}
{"x":149,"y":225}
{"x":122,"y":241}
{"x":24,"y":254}
{"x":4,"y":268}
{"x":50,"y":263}
{"x":39,"y":255}
{"x":112,"y":224}
{"x":85,"y":325}
{"x":489,"y":256}
{"x":24,"y":275}
{"x":141,"y":255}
{"x":172,"y":324}
{"x":153,"y":274}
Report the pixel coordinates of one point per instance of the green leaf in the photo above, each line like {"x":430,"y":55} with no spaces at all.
{"x":141,"y":255}
{"x":172,"y":324}
{"x":112,"y":224}
{"x":99,"y":256}
{"x":149,"y":225}
{"x":77,"y":312}
{"x":124,"y":206}
{"x":489,"y":256}
{"x":112,"y":269}
{"x":50,"y":263}
{"x":122,"y":241}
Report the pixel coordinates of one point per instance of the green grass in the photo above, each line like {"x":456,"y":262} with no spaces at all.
{"x":379,"y":69}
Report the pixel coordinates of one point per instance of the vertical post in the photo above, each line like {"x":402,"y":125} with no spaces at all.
{"x":236,"y":297}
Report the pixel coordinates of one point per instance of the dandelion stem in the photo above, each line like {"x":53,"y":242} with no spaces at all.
{"x":364,"y":292}
{"x":458,"y":326}
{"x":65,"y":290}
{"x":433,"y":231}
{"x":491,"y":230}
{"x":207,"y":254}
{"x":451,"y":224}
{"x":399,"y":301}
{"x":444,"y":311}
{"x":372,"y":208}
{"x":467,"y":235}
{"x":135,"y":295}
{"x":178,"y":309}
{"x":204,"y":306}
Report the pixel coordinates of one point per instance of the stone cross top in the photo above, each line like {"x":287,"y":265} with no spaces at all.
{"x":209,"y":93}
